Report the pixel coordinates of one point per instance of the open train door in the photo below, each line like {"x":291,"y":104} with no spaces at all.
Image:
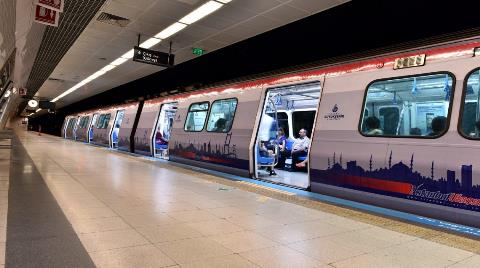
{"x":281,"y":149}
{"x":163,"y":128}
{"x":116,"y":128}
{"x":90,"y":128}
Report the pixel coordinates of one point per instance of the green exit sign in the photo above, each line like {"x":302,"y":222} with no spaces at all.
{"x":198,"y":51}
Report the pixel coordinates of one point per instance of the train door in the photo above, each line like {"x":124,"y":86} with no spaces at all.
{"x":161,"y":135}
{"x":116,"y":128}
{"x":76,"y":127}
{"x":284,"y":134}
{"x":90,"y":128}
{"x":65,"y":126}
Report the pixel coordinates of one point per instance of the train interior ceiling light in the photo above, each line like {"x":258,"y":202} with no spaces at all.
{"x":194,"y":16}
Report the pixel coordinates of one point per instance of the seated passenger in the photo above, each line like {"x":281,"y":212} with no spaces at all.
{"x":476,"y":132}
{"x":220,"y":125}
{"x":116,"y":129}
{"x":373,"y":126}
{"x":264,"y":152}
{"x":299,"y":148}
{"x":281,"y":141}
{"x":415,"y":131}
{"x":302,"y":164}
{"x":438,"y":125}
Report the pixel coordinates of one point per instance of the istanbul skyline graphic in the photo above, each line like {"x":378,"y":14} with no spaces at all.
{"x":447,"y":189}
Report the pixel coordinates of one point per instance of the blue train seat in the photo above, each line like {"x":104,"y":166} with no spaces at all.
{"x":264,"y":160}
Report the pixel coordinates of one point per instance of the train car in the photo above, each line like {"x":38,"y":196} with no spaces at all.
{"x":110,"y":126}
{"x":400,"y":130}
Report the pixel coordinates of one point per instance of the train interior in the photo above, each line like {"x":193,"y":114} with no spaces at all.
{"x":471,"y":110}
{"x":281,"y":151}
{"x":411,"y":106}
{"x":163,"y":129}
{"x":116,"y":128}
{"x":91,"y":127}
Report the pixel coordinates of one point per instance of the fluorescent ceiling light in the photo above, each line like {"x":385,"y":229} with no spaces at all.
{"x":150,"y":42}
{"x":118,"y":61}
{"x":128,"y":55}
{"x":171,"y":30}
{"x":201,"y":12}
{"x":108,"y":68}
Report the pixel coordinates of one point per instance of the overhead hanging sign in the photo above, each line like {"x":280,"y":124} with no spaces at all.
{"x":153,"y":57}
{"x":51,"y":4}
{"x":46,"y":16}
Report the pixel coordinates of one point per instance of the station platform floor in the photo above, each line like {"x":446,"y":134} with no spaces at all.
{"x":75,"y":205}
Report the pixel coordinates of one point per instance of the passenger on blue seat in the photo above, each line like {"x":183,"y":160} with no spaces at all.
{"x":265,"y":152}
{"x":299,"y":149}
{"x":281,"y":141}
{"x":373,"y":126}
{"x":438,"y":125}
{"x":220,"y":125}
{"x":476,"y":131}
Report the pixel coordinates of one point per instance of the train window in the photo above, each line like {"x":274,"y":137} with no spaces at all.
{"x":470,"y":115}
{"x":106,"y":120}
{"x":303,"y":119}
{"x":221,"y":115}
{"x":282,"y":119}
{"x":100,"y":121}
{"x":414,"y":106}
{"x":197,"y":113}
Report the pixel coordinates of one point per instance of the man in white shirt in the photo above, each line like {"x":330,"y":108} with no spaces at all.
{"x":300,"y":147}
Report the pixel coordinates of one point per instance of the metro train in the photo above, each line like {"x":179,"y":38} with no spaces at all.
{"x":398,"y":130}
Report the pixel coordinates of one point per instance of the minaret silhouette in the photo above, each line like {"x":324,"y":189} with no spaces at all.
{"x":329,"y":163}
{"x":341,"y":164}
{"x":411,"y":164}
{"x":370,"y":165}
{"x":390,"y":160}
{"x":432,"y":170}
{"x":334,"y":162}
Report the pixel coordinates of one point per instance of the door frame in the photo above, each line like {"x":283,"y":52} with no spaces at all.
{"x":253,"y":143}
{"x":154,"y":129}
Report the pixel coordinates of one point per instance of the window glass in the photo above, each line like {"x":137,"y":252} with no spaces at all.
{"x":221,"y":115}
{"x":100,"y":121}
{"x":83,"y":122}
{"x":408,"y":107}
{"x":303,"y":119}
{"x":470,"y":122}
{"x":106,"y":120}
{"x":197,"y":113}
{"x":282,"y":119}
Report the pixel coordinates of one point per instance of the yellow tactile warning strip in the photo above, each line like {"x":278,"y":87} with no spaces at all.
{"x":439,"y":236}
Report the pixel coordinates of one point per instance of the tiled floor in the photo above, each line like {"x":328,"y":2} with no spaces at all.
{"x":131,"y":213}
{"x":4,"y":175}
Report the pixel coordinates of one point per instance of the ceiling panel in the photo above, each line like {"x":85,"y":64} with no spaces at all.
{"x":236,"y":21}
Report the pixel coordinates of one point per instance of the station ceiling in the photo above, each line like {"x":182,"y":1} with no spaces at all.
{"x":106,"y":38}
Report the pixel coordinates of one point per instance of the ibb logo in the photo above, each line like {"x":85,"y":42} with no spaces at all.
{"x":335,"y":108}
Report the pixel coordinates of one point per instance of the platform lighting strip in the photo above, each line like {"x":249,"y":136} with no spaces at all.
{"x":194,"y":16}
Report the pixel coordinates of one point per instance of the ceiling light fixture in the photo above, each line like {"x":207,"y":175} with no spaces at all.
{"x":201,"y":12}
{"x":118,"y":61}
{"x":150,"y":42}
{"x":128,"y":55}
{"x":194,"y":16}
{"x":171,"y":30}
